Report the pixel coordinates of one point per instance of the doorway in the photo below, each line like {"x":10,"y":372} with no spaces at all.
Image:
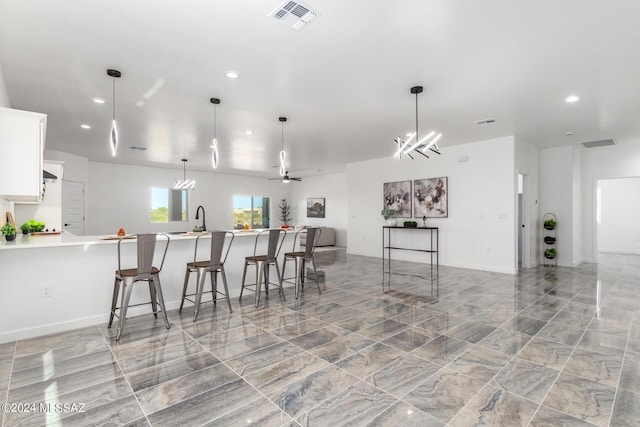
{"x":73,"y":207}
{"x":523,"y":223}
{"x":617,"y":213}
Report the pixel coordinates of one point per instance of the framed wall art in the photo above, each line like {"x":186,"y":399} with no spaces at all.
{"x":430,"y":197}
{"x":315,"y":207}
{"x":397,"y":197}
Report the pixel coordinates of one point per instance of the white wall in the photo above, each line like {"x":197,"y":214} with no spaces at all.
{"x":479,"y":232}
{"x":333,"y":187}
{"x":611,"y":162}
{"x":121,"y":197}
{"x":557,"y":197}
{"x":76,"y":168}
{"x":49,"y":210}
{"x":4,"y":95}
{"x":619,"y":229}
{"x":5,"y":205}
{"x":576,"y":200}
{"x":527,"y":162}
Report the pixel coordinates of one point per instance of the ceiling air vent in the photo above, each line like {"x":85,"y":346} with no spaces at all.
{"x":294,"y":14}
{"x":600,"y":143}
{"x":485,"y":122}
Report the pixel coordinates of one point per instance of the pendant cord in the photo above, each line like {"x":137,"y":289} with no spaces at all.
{"x":215,"y":121}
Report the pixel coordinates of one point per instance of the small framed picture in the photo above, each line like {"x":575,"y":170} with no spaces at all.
{"x":315,"y":207}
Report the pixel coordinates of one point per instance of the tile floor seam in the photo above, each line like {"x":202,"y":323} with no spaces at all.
{"x":106,"y":338}
{"x":575,"y":346}
{"x":13,"y":362}
{"x":488,"y":383}
{"x":252,"y":386}
{"x":624,"y":355}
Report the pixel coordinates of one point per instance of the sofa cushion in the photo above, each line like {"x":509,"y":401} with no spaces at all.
{"x":327,"y":237}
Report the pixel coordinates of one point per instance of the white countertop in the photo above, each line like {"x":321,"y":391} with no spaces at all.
{"x":68,"y":239}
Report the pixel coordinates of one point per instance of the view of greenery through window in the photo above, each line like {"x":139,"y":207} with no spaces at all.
{"x":253,"y":211}
{"x":168,"y":205}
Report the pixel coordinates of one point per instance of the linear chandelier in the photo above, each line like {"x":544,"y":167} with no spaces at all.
{"x":184,"y":183}
{"x":422,"y":145}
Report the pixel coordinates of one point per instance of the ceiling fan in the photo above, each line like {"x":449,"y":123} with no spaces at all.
{"x":286,"y":178}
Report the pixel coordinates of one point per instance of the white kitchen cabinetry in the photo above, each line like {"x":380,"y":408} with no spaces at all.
{"x":22,"y":137}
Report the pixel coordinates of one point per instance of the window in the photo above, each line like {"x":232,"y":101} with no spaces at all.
{"x":168,"y":205}
{"x":250,"y":210}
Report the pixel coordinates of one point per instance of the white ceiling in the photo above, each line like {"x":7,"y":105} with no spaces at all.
{"x":343,"y":81}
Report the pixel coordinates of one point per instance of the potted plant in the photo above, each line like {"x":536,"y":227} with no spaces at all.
{"x":285,"y":213}
{"x":410,"y":224}
{"x":9,"y":232}
{"x":550,"y":224}
{"x":25,"y":228}
{"x":550,"y":253}
{"x":387,"y":214}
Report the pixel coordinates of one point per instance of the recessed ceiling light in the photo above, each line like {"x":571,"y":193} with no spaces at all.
{"x":248,"y":132}
{"x":85,"y":126}
{"x":409,"y":134}
{"x":232,"y":74}
{"x":572,"y":98}
{"x":568,"y":133}
{"x":98,"y":100}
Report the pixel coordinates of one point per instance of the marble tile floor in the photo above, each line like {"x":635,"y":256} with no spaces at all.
{"x":546,"y":347}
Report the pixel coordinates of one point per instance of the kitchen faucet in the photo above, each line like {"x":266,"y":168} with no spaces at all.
{"x":204,"y":225}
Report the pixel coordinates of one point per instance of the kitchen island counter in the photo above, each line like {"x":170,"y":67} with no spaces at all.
{"x":54,"y":283}
{"x":68,"y":239}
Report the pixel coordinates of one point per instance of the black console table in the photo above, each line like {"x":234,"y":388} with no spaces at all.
{"x":432,"y":250}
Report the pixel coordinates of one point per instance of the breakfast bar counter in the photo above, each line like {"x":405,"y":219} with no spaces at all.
{"x":61,"y":282}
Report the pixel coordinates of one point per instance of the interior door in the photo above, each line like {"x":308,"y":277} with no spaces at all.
{"x":73,"y":207}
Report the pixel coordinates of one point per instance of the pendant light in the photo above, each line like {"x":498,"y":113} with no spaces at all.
{"x":214,"y":143}
{"x":283,"y":168}
{"x":184,"y":183}
{"x":421,"y":145}
{"x":113,"y":137}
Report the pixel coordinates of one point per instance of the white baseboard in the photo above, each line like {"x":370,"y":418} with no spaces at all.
{"x":491,"y":269}
{"x":620,"y":251}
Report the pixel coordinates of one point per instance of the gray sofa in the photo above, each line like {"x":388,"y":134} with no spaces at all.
{"x":327,"y":237}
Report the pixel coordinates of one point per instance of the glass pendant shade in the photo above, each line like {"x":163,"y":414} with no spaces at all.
{"x":215,"y":157}
{"x":214,"y":153}
{"x":282,"y":162}
{"x":114,"y":138}
{"x":113,"y":135}
{"x":283,"y":155}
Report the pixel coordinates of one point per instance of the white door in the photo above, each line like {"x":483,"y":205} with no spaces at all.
{"x":73,"y":207}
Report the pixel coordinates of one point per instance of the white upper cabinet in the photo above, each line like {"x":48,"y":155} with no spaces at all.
{"x":22,"y":136}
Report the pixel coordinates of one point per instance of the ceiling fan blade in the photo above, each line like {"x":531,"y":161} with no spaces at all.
{"x":295,"y":179}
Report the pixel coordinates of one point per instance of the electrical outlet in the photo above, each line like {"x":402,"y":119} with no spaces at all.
{"x":46,"y":291}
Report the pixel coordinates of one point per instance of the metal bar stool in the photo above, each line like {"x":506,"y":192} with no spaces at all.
{"x":143,"y":272}
{"x":262,"y":262}
{"x":300,"y":257}
{"x":214,"y":265}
